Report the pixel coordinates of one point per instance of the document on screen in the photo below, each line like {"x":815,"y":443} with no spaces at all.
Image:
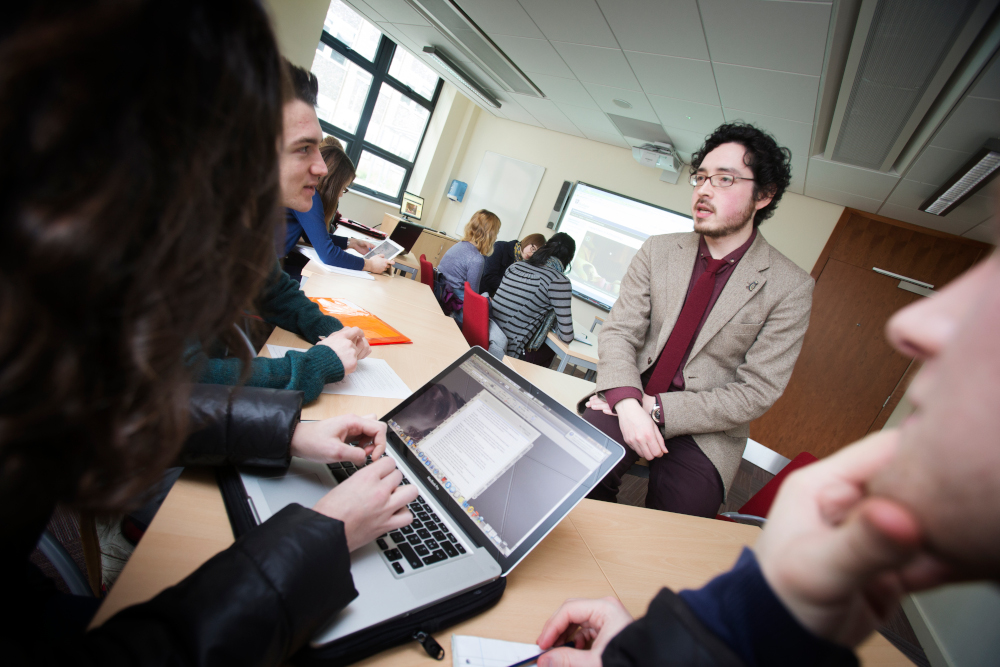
{"x":479,"y":443}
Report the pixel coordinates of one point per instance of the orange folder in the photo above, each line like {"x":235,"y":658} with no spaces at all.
{"x":376,"y":331}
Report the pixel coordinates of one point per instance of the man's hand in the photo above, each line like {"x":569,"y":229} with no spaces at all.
{"x":593,"y":622}
{"x":326,"y":441}
{"x":370,"y":502}
{"x":350,"y":345}
{"x":837,"y":559}
{"x":360,"y":246}
{"x":378,"y":264}
{"x":639,"y":430}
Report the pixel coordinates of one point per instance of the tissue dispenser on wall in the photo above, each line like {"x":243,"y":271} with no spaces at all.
{"x":457,"y":190}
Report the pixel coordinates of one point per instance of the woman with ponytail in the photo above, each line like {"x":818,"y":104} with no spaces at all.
{"x":534,"y":298}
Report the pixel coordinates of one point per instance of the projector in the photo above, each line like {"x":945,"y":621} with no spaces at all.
{"x":658,"y":155}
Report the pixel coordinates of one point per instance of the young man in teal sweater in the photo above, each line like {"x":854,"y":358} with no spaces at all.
{"x":336,"y":349}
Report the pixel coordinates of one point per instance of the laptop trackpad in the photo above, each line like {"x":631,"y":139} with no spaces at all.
{"x":304,"y":488}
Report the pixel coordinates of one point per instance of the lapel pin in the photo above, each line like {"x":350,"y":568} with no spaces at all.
{"x":752,"y":285}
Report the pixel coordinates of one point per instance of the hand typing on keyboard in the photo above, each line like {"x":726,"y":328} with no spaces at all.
{"x":326,"y":441}
{"x":370,"y":502}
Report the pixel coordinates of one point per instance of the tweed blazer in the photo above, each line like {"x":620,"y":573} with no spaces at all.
{"x":743,"y":356}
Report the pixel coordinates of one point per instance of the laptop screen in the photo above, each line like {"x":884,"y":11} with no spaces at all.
{"x":505,"y":453}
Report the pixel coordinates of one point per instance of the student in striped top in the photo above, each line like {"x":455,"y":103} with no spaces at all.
{"x":534,"y":297}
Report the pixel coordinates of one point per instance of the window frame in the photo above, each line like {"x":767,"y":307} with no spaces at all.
{"x":379,"y":69}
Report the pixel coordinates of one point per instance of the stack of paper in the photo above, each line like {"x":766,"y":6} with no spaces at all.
{"x":373,"y":377}
{"x":314,"y":256}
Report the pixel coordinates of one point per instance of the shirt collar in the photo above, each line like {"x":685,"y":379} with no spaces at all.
{"x":731,"y":258}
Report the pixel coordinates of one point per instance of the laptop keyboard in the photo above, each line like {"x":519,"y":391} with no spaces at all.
{"x":425,"y":542}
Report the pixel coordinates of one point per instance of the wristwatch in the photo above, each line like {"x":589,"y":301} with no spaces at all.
{"x":657,"y":412}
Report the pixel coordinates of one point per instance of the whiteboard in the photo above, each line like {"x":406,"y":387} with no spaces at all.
{"x":506,"y":187}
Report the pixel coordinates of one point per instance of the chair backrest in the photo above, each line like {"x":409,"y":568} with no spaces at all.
{"x":476,"y":319}
{"x":426,"y":272}
{"x":761,"y":502}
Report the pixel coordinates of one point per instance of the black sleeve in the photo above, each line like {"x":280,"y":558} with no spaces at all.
{"x":255,"y":603}
{"x":495,"y":265}
{"x":669,"y":634}
{"x":241,"y":425}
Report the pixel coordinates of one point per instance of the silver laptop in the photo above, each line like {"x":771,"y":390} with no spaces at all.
{"x":498,"y":465}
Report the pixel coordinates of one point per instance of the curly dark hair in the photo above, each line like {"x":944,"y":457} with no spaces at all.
{"x":305,"y":85}
{"x":770,"y":163}
{"x":139,"y":196}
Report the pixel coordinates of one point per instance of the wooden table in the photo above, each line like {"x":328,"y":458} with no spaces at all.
{"x":407,"y":264}
{"x":600,"y":549}
{"x":575,"y":352}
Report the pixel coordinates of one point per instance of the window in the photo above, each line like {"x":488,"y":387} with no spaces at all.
{"x":374,"y":97}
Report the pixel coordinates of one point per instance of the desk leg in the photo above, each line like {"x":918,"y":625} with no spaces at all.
{"x":563,"y":359}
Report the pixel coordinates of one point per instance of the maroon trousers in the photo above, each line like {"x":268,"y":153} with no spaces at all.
{"x":682,"y":481}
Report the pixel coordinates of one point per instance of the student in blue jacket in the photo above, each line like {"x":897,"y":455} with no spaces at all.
{"x":319,"y":221}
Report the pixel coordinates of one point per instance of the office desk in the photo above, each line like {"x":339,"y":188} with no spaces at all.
{"x":407,"y":264}
{"x":575,"y":352}
{"x":600,"y":549}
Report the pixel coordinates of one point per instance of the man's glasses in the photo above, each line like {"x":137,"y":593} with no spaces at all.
{"x":717,"y":180}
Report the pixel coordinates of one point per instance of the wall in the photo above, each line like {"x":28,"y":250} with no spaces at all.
{"x":298,"y":25}
{"x":799,"y":228}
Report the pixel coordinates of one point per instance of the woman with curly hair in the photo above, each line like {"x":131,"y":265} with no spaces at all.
{"x":464,"y":261}
{"x":139,"y":197}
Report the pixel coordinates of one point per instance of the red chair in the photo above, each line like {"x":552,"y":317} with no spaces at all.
{"x":426,"y":272}
{"x":755,"y":510}
{"x":476,"y":319}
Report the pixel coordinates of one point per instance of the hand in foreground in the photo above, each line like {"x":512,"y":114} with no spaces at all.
{"x":360,"y":245}
{"x":593,"y":622}
{"x":350,"y":345}
{"x":378,"y":264}
{"x":370,"y":502}
{"x":639,"y":430}
{"x":326,"y":441}
{"x":837,"y":559}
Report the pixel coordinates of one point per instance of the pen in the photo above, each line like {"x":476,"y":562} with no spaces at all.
{"x":532,"y":660}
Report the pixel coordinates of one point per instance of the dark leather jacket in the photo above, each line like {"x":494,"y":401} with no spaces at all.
{"x":255,"y":603}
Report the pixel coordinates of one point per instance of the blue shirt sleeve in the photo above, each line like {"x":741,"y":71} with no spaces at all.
{"x":314,"y":226}
{"x":740,"y":608}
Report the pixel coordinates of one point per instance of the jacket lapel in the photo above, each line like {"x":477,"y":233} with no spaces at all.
{"x":737,"y":291}
{"x":677,"y":266}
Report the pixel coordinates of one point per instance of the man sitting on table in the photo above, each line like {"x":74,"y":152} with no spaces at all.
{"x":705,"y":332}
{"x":900,"y":511}
{"x":336,"y":349}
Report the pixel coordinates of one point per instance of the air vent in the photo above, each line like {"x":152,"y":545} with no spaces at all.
{"x":902,"y":54}
{"x":467,"y":37}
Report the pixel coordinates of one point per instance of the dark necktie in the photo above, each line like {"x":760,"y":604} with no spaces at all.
{"x":687,"y":323}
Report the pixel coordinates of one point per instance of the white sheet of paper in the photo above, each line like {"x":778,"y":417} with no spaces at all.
{"x":469,"y":651}
{"x":314,"y":256}
{"x":373,"y":378}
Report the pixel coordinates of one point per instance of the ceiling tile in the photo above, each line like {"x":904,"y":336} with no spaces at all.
{"x":548,"y":114}
{"x":594,"y":64}
{"x":535,"y":56}
{"x":606,"y":138}
{"x":687,"y":115}
{"x":516,"y":113}
{"x":842,"y":198}
{"x":783,"y":36}
{"x":564,"y":91}
{"x":654,"y":26}
{"x":366,"y":10}
{"x":589,"y":119}
{"x":946,"y":224}
{"x":641,"y":108}
{"x":503,"y":17}
{"x":989,"y":85}
{"x":397,"y":11}
{"x":936,"y":165}
{"x":985,"y":232}
{"x":779,"y":94}
{"x":845,"y":178}
{"x":910,"y":194}
{"x":973,"y":122}
{"x":680,"y":78}
{"x":576,"y":21}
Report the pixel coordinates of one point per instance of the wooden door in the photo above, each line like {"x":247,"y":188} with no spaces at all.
{"x":847,"y":378}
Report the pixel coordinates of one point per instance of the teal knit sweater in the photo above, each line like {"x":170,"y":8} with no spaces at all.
{"x":283,"y":304}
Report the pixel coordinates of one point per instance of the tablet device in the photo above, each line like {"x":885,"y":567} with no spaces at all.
{"x":388,"y":248}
